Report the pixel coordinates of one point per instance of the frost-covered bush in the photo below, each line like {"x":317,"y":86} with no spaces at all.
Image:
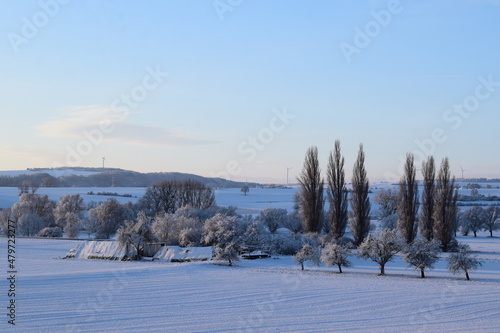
{"x":285,"y":244}
{"x":463,"y":261}
{"x":336,"y":254}
{"x":308,"y":253}
{"x":50,"y":232}
{"x":256,"y":235}
{"x":422,"y":254}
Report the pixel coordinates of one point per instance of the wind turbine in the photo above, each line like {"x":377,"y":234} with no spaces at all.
{"x":103,"y":159}
{"x":462,"y":172}
{"x":287,"y":169}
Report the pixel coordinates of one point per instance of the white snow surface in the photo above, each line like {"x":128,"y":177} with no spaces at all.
{"x":267,"y":295}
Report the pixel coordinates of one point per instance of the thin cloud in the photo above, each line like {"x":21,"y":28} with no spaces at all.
{"x":77,"y":121}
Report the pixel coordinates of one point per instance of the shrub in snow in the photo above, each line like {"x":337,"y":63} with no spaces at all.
{"x":336,"y":254}
{"x":308,"y":253}
{"x":50,"y":232}
{"x":463,"y":261}
{"x":227,"y":253}
{"x":380,"y":249}
{"x":285,"y":244}
{"x":422,"y":254}
{"x":256,"y":235}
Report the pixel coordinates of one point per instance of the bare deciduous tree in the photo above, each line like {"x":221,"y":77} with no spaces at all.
{"x":170,"y":195}
{"x":426,"y":218}
{"x":311,"y":199}
{"x":408,"y":201}
{"x":337,"y":193}
{"x":388,"y":208}
{"x":360,"y":202}
{"x":445,"y":209}
{"x":463,"y":261}
{"x":422,"y":254}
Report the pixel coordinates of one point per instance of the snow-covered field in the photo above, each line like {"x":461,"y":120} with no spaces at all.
{"x":267,"y":295}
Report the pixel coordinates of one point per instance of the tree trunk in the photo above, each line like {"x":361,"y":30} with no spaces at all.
{"x":302,"y":265}
{"x":467,"y":275}
{"x":382,"y":270}
{"x":474,"y":231}
{"x":422,"y":275}
{"x":340,"y":268}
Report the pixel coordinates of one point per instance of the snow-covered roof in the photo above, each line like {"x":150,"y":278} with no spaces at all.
{"x":176,"y":253}
{"x":109,"y":250}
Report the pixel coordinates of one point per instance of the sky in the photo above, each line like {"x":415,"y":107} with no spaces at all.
{"x":241,"y":89}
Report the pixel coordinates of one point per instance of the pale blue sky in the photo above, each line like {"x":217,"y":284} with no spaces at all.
{"x":228,"y":78}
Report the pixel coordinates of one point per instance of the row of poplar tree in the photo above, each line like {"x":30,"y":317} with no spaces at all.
{"x":436,"y":219}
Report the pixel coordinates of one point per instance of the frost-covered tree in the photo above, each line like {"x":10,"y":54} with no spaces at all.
{"x":311,"y":199}
{"x":463,"y":261}
{"x":492,"y":222}
{"x":408,"y":201}
{"x":380,"y":249}
{"x":108,"y":217}
{"x":220,"y":230}
{"x":73,"y":224}
{"x":293,"y":222}
{"x":255,"y":234}
{"x":336,"y":254}
{"x":227,"y":253}
{"x":337,"y":193}
{"x":360,"y":202}
{"x":421,"y":254}
{"x":473,"y":219}
{"x":308,"y":253}
{"x":388,"y":208}
{"x":5,"y":215}
{"x":40,"y":205}
{"x":245,"y":189}
{"x":136,"y":233}
{"x":445,"y":207}
{"x":190,"y":237}
{"x":273,"y":218}
{"x":29,"y":224}
{"x":163,"y":227}
{"x":69,"y":204}
{"x":426,"y":217}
